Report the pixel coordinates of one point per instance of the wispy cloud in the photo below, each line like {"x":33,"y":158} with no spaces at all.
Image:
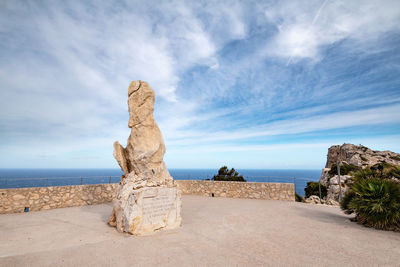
{"x":312,"y":123}
{"x":220,"y":72}
{"x":304,"y":28}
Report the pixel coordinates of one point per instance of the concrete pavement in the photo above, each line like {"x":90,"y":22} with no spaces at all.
{"x":215,"y":232}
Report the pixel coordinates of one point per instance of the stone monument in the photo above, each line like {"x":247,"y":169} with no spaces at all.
{"x":147,"y":199}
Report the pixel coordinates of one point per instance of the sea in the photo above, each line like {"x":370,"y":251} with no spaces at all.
{"x":19,"y":178}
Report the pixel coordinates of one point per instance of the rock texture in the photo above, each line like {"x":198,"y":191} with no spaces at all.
{"x":146,"y":176}
{"x":145,"y":148}
{"x":272,"y":191}
{"x":149,"y":209}
{"x":359,"y":156}
{"x":332,"y":184}
{"x":313,"y":200}
{"x":44,"y":198}
{"x":15,"y":200}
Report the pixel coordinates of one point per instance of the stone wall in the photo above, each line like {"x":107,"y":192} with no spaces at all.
{"x":273,"y":191}
{"x":44,"y":198}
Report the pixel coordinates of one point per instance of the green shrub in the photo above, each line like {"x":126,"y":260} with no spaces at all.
{"x":344,"y":169}
{"x":376,"y":203}
{"x":389,"y":171}
{"x":224,"y":174}
{"x":363,"y":158}
{"x":299,"y":198}
{"x":345,"y":203}
{"x":366,"y":173}
{"x":384,"y":164}
{"x":394,"y":172}
{"x":312,"y":188}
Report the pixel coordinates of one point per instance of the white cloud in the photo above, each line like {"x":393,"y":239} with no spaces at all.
{"x":64,"y":76}
{"x":337,"y":120}
{"x":304,"y":27}
{"x":65,"y":68}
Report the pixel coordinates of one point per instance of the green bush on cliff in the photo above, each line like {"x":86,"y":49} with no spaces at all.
{"x":344,"y":169}
{"x":312,"y":188}
{"x":388,"y":172}
{"x":299,"y":198}
{"x":345,"y":203}
{"x":395,"y":172}
{"x":374,"y":200}
{"x":224,"y":174}
{"x":366,"y":173}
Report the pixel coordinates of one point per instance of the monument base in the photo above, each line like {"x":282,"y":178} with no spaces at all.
{"x":147,"y":210}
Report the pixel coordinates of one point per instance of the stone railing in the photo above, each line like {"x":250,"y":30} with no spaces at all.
{"x":272,"y":191}
{"x":44,"y":198}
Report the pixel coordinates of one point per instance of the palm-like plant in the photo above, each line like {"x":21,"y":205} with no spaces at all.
{"x":345,"y":202}
{"x":376,"y":203}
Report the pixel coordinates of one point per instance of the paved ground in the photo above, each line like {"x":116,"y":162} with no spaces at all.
{"x":215,"y":232}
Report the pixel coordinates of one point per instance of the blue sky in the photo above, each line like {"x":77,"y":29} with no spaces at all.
{"x":250,"y":84}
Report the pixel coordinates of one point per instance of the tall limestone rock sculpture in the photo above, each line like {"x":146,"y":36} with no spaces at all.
{"x":147,"y":199}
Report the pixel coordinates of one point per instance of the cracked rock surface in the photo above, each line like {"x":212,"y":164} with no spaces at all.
{"x":147,"y":199}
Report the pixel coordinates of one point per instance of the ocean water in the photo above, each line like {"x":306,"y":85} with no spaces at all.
{"x":17,"y":178}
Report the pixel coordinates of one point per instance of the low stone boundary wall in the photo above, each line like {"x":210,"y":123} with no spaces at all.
{"x":273,"y":191}
{"x":44,"y":198}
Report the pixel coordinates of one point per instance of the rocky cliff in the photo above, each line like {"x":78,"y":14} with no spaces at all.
{"x":353,"y":158}
{"x":360,"y":156}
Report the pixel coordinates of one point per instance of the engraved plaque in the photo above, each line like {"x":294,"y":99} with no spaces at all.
{"x":153,"y":208}
{"x":156,"y":208}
